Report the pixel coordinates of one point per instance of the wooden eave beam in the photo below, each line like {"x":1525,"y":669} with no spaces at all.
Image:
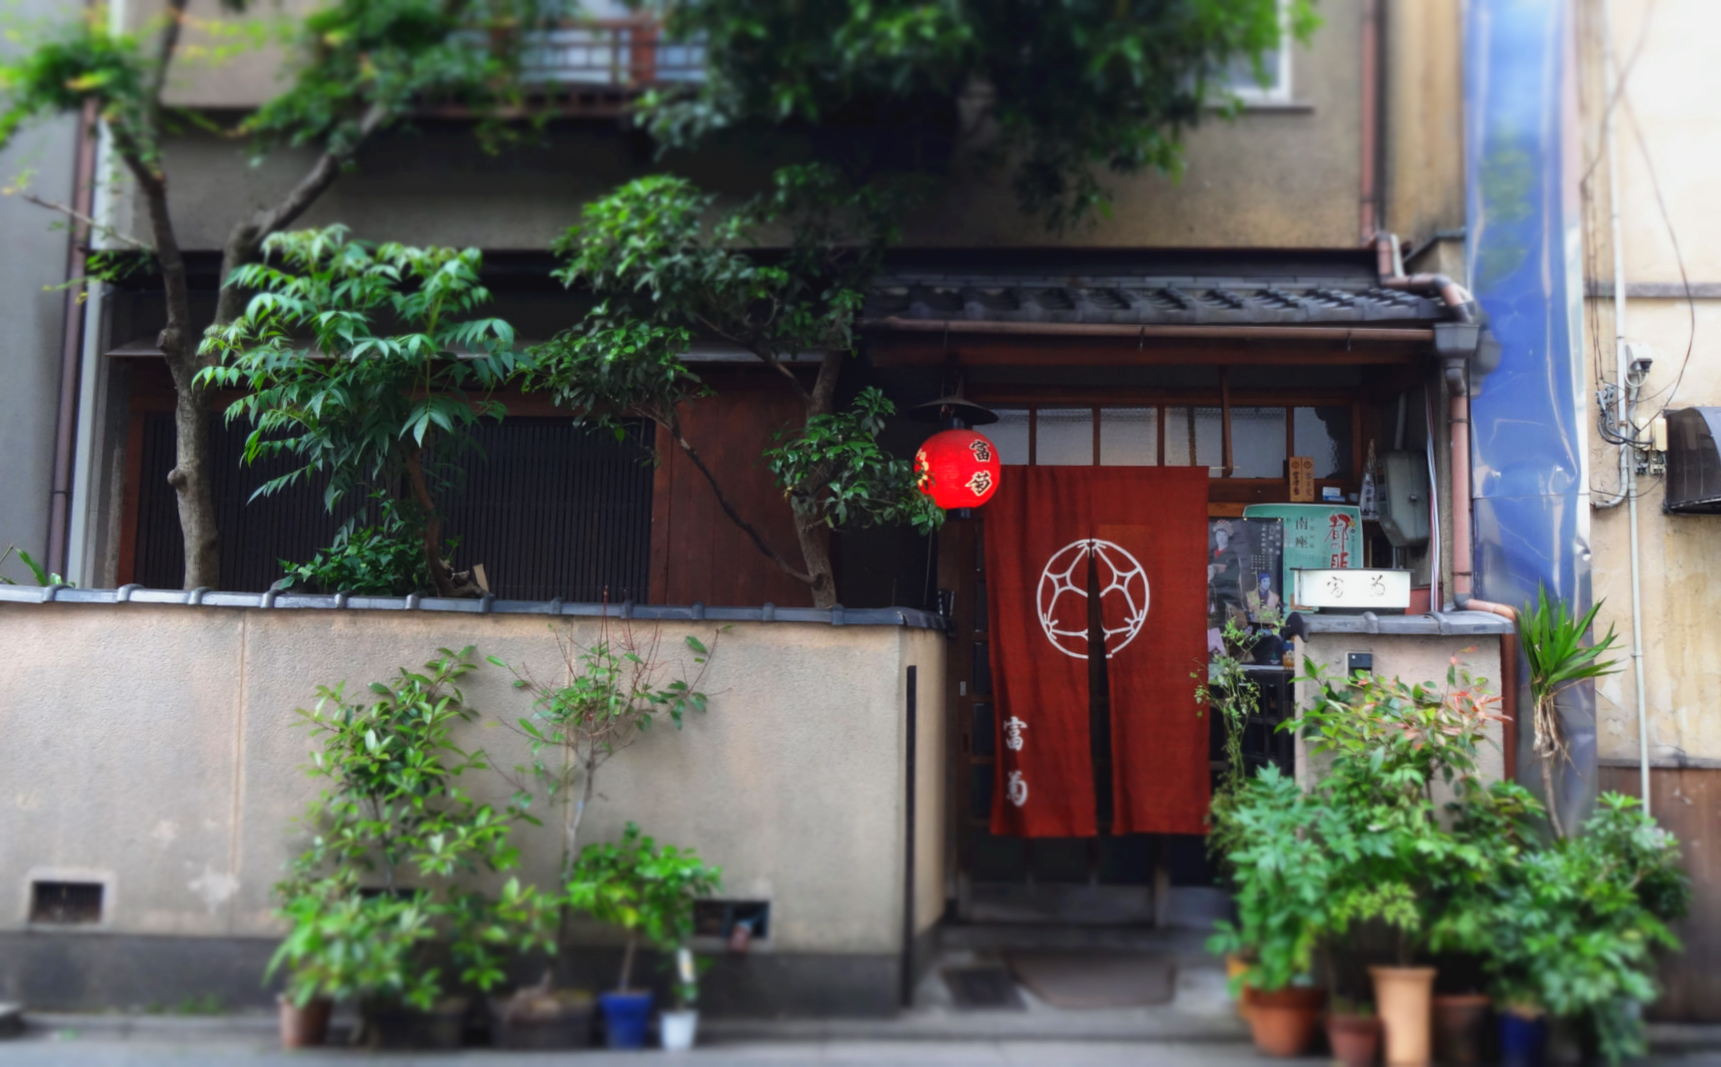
{"x":917,"y":342}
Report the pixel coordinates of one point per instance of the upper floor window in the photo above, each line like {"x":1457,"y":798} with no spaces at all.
{"x":1239,"y":77}
{"x":1182,"y":435}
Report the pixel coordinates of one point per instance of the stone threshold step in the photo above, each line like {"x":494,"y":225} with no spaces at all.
{"x":1190,"y":946}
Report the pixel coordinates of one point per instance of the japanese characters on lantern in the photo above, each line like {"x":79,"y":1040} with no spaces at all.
{"x":957,"y":469}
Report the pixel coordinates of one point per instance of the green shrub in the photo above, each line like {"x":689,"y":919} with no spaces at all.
{"x":647,"y":890}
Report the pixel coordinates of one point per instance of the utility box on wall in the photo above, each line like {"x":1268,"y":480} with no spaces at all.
{"x":1404,"y":498}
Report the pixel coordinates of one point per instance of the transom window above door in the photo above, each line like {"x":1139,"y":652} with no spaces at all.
{"x":1180,"y":435}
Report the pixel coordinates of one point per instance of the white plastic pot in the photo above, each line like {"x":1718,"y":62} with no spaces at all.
{"x":679,"y":1029}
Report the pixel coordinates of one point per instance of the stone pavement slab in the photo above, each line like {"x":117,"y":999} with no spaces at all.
{"x":104,"y":1051}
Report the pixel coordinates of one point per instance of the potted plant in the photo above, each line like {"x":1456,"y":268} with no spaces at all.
{"x":649,"y":892}
{"x":542,"y":1017}
{"x":1226,"y":689}
{"x":1353,"y":1031}
{"x":1554,"y":648}
{"x":1388,"y":744}
{"x":1569,"y":930}
{"x":380,"y":885}
{"x":609,"y":694}
{"x":1461,"y":1027}
{"x":681,"y":1026}
{"x":1280,"y":873}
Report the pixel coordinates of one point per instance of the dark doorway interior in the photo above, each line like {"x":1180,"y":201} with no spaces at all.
{"x":1107,"y":880}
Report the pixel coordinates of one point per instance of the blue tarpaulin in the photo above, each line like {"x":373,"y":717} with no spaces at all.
{"x":1531,"y":476}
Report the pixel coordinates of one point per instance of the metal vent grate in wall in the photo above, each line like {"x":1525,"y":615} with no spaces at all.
{"x":719,"y":918}
{"x":65,"y":903}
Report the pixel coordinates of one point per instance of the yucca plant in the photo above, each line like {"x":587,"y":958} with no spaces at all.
{"x":1553,"y":640}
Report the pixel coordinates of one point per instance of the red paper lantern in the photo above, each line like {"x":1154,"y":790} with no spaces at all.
{"x":957,"y":469}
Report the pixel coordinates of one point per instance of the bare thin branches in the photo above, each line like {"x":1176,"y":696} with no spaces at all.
{"x":78,"y":216}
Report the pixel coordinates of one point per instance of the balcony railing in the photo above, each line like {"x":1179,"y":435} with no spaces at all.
{"x":596,"y":67}
{"x":618,"y":53}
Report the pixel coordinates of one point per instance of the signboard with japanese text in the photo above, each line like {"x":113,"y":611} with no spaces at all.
{"x":1302,"y":472}
{"x":1317,"y":536}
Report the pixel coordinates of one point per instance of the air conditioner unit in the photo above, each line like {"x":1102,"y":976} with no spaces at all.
{"x":1404,"y":498}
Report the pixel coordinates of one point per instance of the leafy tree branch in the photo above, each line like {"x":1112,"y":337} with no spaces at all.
{"x":359,"y":68}
{"x":670,"y":271}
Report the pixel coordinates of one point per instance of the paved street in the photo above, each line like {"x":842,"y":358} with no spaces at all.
{"x":104,"y":1052}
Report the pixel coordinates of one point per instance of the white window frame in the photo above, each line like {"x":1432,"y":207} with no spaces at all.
{"x":1253,"y":93}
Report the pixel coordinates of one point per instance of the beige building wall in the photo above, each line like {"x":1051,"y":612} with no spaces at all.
{"x":1667,"y":141}
{"x":156,"y":749}
{"x":1285,"y":175}
{"x":1422,"y":154}
{"x":1411,"y":658}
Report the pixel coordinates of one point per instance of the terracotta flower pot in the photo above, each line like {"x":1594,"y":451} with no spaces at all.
{"x":1461,"y":1028}
{"x":1355,"y":1039}
{"x":1283,"y":1022}
{"x":304,"y":1027}
{"x":1403,"y":997}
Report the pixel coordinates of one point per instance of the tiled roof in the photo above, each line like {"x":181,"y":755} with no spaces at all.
{"x":1145,"y":300}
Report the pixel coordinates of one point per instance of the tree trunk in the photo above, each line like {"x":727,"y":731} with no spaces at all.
{"x":815,"y":540}
{"x":627,"y":961}
{"x":1548,"y":794}
{"x":441,"y":581}
{"x":179,"y":344}
{"x":244,"y":246}
{"x":815,"y":536}
{"x":190,"y":479}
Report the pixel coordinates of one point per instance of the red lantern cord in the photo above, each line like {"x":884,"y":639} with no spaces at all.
{"x":957,"y":469}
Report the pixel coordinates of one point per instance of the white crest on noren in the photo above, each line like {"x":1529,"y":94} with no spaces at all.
{"x":1121,"y":576}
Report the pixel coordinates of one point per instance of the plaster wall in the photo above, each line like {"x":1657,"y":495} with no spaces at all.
{"x":40,"y":159}
{"x":1679,"y":558}
{"x":1670,"y":161}
{"x":156,"y":749}
{"x":1283,"y":176}
{"x":1423,"y":151}
{"x":1411,"y":659}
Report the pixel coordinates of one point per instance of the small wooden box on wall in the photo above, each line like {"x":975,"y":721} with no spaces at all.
{"x":1302,"y":474}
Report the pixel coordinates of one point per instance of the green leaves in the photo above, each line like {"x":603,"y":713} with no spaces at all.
{"x":609,"y":692}
{"x":1553,"y":642}
{"x":641,"y":887}
{"x":385,"y":559}
{"x":1061,"y":90}
{"x":1574,"y":927}
{"x":393,"y":810}
{"x":655,"y":253}
{"x":363,"y":363}
{"x":77,"y":62}
{"x":835,"y":471}
{"x":1570,"y":927}
{"x":359,"y":62}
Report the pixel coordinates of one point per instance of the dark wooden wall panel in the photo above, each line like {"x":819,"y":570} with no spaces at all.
{"x":698,"y":554}
{"x":1687,"y":801}
{"x":550,"y":510}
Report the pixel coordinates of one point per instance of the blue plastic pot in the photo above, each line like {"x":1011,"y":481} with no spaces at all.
{"x":1523,"y":1042}
{"x":625,"y":1018}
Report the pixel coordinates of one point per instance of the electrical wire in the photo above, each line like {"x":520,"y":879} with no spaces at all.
{"x":1618,"y":96}
{"x":1678,"y":257}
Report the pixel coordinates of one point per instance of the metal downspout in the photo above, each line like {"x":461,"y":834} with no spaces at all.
{"x":71,"y":349}
{"x":1626,"y":389}
{"x":1463,"y":306}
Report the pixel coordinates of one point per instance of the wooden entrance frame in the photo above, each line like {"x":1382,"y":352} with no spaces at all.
{"x":1394,"y":359}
